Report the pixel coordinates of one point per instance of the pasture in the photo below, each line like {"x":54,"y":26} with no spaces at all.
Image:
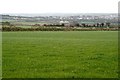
{"x":0,"y":54}
{"x":60,"y":54}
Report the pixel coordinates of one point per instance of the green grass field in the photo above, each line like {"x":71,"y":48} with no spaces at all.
{"x":69,"y":54}
{"x":0,"y":55}
{"x":24,"y":26}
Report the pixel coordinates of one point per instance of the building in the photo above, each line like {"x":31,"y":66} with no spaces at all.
{"x":65,"y":23}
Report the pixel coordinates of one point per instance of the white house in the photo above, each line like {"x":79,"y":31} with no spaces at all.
{"x":66,"y":23}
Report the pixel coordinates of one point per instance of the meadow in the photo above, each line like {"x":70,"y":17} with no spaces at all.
{"x":60,"y":54}
{"x":0,"y":54}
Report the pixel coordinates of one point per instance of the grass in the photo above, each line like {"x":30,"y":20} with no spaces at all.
{"x":25,"y":26}
{"x":0,"y":54}
{"x":70,"y":54}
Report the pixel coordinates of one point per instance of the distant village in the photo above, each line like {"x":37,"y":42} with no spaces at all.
{"x":76,"y":24}
{"x":76,"y":21}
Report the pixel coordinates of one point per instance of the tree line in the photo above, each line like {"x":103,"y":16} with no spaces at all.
{"x":7,"y":26}
{"x":74,"y":25}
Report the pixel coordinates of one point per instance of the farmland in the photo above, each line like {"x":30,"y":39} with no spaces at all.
{"x":0,"y":54}
{"x":60,"y":54}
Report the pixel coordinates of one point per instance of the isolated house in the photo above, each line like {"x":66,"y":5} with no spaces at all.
{"x":65,"y":23}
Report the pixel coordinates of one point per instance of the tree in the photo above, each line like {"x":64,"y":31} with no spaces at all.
{"x":63,"y":24}
{"x":102,"y":24}
{"x":83,"y":24}
{"x":107,"y":24}
{"x":98,"y":24}
{"x":6,"y":23}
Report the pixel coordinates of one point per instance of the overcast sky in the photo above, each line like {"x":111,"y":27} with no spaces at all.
{"x":59,"y":6}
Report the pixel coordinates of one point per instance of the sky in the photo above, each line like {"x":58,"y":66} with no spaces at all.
{"x":59,"y":6}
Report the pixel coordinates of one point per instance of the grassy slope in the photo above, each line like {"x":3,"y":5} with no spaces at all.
{"x":60,"y":54}
{"x":0,"y":54}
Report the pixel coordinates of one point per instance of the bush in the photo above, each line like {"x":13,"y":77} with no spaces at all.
{"x":55,"y":29}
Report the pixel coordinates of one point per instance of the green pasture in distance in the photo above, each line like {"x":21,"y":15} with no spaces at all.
{"x":24,"y":26}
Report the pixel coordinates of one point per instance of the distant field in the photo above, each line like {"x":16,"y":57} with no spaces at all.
{"x":24,"y":26}
{"x":85,"y":54}
{"x":0,"y":26}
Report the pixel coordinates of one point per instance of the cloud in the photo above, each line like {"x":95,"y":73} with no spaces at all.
{"x":59,"y":6}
